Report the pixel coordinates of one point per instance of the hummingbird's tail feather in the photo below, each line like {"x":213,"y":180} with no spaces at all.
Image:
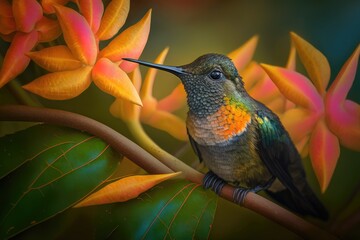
{"x":308,"y":204}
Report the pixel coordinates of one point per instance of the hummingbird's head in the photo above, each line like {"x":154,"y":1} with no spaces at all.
{"x":207,"y":81}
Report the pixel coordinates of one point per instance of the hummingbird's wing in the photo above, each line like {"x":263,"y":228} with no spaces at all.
{"x":194,"y":146}
{"x":279,"y":154}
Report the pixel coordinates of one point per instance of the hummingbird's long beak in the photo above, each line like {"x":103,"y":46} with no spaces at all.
{"x":171,"y":69}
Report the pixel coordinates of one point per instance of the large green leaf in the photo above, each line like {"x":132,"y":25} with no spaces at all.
{"x":175,"y":209}
{"x":47,"y":169}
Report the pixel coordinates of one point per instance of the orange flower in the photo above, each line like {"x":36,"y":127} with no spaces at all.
{"x":257,"y":82}
{"x":75,"y":65}
{"x":24,"y":25}
{"x":154,"y":113}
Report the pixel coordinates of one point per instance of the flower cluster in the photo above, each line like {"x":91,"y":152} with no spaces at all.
{"x":75,"y":65}
{"x":321,"y":118}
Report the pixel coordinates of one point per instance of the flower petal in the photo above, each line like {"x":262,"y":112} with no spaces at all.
{"x":291,"y":62}
{"x":299,"y":122}
{"x":146,"y":90}
{"x":61,"y":85}
{"x":130,"y":43}
{"x":344,"y":122}
{"x":92,"y":11}
{"x":295,"y":87}
{"x":77,"y":34}
{"x":26,"y":14}
{"x":276,"y":105}
{"x":126,"y":110}
{"x":7,"y":21}
{"x":175,"y":100}
{"x":55,"y":59}
{"x":125,"y":189}
{"x":242,"y":56}
{"x":15,"y":60}
{"x":314,"y":62}
{"x":48,"y":5}
{"x":8,"y":37}
{"x":114,"y":18}
{"x":340,"y":87}
{"x":112,"y":80}
{"x":252,"y":74}
{"x":48,"y":29}
{"x":343,"y":116}
{"x":167,"y":122}
{"x":265,"y":90}
{"x":303,"y":146}
{"x":324,"y":152}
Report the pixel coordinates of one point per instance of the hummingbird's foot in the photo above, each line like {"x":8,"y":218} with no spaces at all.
{"x":211,"y":180}
{"x":240,"y":194}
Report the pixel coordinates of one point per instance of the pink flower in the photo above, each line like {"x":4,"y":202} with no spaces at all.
{"x":321,"y":118}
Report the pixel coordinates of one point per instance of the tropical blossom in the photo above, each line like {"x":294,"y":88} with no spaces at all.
{"x":256,"y":81}
{"x":22,"y":23}
{"x":322,"y":118}
{"x":156,"y":113}
{"x":75,"y":65}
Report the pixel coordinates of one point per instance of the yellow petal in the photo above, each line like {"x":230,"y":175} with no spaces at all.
{"x":324,"y":152}
{"x":314,"y":62}
{"x":77,"y":34}
{"x":291,"y":62}
{"x":146,"y":90}
{"x":252,"y":74}
{"x":48,"y":5}
{"x":303,"y":146}
{"x":48,"y":29}
{"x":175,"y":100}
{"x":125,"y":189}
{"x":55,"y":59}
{"x":299,"y":122}
{"x":167,"y":122}
{"x":295,"y":87}
{"x":114,"y":18}
{"x":243,"y":55}
{"x":126,"y":110}
{"x":61,"y":85}
{"x":130,"y":43}
{"x":112,"y":80}
{"x":92,"y":11}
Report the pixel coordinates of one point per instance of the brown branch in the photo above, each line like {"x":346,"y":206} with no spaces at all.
{"x":73,"y":120}
{"x":126,"y":147}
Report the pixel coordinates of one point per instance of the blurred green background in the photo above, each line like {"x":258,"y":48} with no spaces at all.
{"x":192,"y":28}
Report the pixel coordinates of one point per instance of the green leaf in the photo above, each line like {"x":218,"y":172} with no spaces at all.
{"x":175,"y":209}
{"x":47,"y":169}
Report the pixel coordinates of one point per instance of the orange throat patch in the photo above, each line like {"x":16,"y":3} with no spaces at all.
{"x":230,"y":120}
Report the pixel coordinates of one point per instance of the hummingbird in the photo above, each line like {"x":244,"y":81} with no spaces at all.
{"x":241,"y":141}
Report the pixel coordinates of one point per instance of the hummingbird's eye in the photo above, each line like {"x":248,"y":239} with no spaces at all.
{"x":216,"y":74}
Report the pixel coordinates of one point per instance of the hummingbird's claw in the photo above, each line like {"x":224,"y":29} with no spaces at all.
{"x":240,"y":194}
{"x":211,"y":180}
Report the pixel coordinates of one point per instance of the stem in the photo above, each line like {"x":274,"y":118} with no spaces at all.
{"x":149,"y":163}
{"x":169,"y":160}
{"x":21,"y":95}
